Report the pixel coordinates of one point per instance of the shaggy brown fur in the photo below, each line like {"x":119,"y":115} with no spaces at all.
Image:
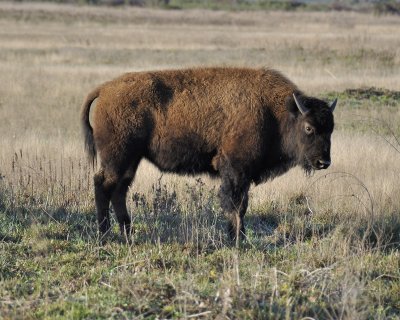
{"x":242,"y":125}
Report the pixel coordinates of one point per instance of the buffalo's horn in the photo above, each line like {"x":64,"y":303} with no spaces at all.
{"x":302,"y":108}
{"x":333,"y":105}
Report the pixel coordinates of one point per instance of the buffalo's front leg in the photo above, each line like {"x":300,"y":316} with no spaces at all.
{"x":234,"y":199}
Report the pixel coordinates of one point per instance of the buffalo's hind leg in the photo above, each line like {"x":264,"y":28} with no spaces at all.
{"x":112,"y":185}
{"x":118,"y":200}
{"x":103,"y":187}
{"x":234,"y":199}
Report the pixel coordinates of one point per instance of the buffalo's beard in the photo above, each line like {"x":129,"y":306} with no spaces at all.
{"x":307,"y":167}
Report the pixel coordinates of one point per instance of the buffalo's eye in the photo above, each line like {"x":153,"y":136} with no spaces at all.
{"x":308,"y":129}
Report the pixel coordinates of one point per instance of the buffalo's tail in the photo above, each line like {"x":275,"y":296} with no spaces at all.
{"x":87,"y":129}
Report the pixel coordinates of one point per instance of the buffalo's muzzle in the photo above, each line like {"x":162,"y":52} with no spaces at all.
{"x":322,"y":164}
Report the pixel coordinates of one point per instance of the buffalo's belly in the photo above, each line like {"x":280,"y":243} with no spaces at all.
{"x":183,"y":156}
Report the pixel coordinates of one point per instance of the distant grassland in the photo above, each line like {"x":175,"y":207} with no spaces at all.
{"x":377,"y":7}
{"x":324,"y":247}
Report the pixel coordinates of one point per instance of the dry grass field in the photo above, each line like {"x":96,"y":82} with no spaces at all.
{"x":319,"y":247}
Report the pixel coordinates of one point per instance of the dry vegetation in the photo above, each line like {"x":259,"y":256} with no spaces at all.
{"x":319,"y":247}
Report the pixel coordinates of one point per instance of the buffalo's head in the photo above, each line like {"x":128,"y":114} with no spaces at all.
{"x":310,"y":131}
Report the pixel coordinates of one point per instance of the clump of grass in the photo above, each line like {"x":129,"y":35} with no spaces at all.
{"x":37,"y":180}
{"x":193,"y":216}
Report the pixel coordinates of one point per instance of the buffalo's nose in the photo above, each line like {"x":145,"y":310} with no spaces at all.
{"x":323,"y":164}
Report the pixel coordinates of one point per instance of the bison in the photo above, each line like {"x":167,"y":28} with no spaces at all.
{"x":242,"y":125}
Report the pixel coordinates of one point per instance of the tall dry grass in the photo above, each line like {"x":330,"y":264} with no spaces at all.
{"x":49,"y":65}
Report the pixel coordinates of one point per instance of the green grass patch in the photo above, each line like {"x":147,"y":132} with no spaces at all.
{"x":380,"y":97}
